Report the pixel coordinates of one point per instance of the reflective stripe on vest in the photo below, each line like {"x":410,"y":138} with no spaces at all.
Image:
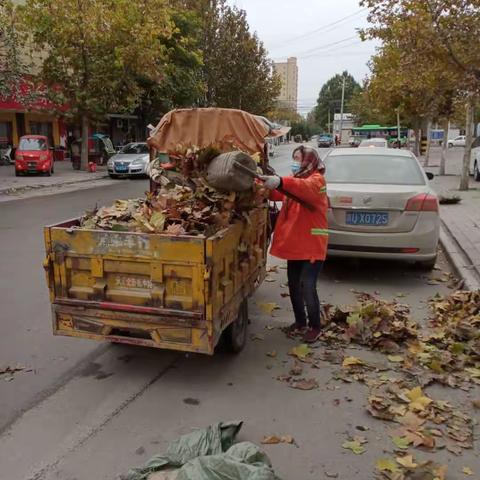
{"x":319,"y":231}
{"x":323,"y":189}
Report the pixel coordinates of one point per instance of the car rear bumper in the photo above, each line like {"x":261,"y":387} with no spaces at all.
{"x":419,"y":244}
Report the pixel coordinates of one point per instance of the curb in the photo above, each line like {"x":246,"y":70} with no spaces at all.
{"x":26,"y":188}
{"x":459,"y":259}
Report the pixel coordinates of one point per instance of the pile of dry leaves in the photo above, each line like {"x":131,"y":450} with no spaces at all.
{"x":175,"y":210}
{"x":190,"y":206}
{"x":447,"y":352}
{"x":373,"y":322}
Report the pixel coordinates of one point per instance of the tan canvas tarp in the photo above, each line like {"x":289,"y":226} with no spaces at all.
{"x":200,"y":127}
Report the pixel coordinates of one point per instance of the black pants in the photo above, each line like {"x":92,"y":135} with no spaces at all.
{"x":302,"y":283}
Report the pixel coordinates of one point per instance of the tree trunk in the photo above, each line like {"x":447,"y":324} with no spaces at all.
{"x":418,"y":139}
{"x":84,"y":154}
{"x":427,"y":153}
{"x":464,"y":180}
{"x":443,"y":159}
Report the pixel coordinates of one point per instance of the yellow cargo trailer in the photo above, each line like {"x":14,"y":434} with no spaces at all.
{"x":159,"y":290}
{"x":155,"y":290}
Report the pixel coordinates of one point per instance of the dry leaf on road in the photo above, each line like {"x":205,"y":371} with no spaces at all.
{"x":304,"y":384}
{"x":268,"y":307}
{"x":274,"y":439}
{"x":355,"y":446}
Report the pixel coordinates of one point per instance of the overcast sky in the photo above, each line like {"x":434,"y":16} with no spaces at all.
{"x":322,"y":34}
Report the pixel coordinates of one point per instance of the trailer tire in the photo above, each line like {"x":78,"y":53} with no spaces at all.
{"x":235,"y":335}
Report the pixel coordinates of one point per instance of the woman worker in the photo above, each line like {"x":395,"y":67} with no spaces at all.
{"x":301,"y":236}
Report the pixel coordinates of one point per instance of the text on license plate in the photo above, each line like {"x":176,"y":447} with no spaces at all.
{"x":367,"y":218}
{"x":120,"y":168}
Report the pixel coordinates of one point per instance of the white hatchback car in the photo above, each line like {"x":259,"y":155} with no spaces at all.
{"x":374,"y":142}
{"x":457,"y":141}
{"x":381,"y":206}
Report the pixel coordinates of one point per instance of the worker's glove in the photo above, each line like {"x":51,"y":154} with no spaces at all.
{"x":271,"y":181}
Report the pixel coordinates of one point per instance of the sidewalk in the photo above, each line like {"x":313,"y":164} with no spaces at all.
{"x":460,"y":235}
{"x":12,"y":186}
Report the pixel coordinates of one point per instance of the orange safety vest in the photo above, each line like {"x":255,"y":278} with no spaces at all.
{"x":301,"y":234}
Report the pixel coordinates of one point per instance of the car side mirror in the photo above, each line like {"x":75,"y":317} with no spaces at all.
{"x":430,"y":175}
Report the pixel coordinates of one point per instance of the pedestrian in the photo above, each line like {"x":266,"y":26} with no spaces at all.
{"x":337,"y":141}
{"x":301,"y":236}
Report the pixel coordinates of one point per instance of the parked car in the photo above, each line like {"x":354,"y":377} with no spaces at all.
{"x":132,"y":160}
{"x":475,"y":160}
{"x":100,"y":150}
{"x":374,"y":142}
{"x":457,"y":141}
{"x":380,"y":212}
{"x":355,"y":140}
{"x":325,"y":141}
{"x":34,"y":155}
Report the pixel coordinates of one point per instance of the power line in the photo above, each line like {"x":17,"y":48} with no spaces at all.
{"x":323,"y":27}
{"x":321,"y":47}
{"x":315,"y":53}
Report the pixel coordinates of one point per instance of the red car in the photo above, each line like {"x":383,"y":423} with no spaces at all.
{"x":34,"y":155}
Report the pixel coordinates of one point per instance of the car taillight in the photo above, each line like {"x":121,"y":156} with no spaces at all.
{"x":422,"y":202}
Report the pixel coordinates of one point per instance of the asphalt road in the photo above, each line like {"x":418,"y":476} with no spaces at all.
{"x":26,"y":337}
{"x":92,"y":411}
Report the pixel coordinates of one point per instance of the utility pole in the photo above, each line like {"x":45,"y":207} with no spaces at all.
{"x":341,"y":110}
{"x":398,"y":126}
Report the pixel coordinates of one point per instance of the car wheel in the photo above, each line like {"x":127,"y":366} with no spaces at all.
{"x":17,"y":173}
{"x":111,"y":175}
{"x":450,"y":145}
{"x":427,"y":265}
{"x":49,"y":173}
{"x":476,"y":172}
{"x":235,"y":336}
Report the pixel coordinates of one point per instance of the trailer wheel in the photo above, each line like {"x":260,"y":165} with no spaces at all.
{"x":236,"y":333}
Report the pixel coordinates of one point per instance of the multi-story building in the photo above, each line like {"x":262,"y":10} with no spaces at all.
{"x":288,"y":72}
{"x":44,"y":118}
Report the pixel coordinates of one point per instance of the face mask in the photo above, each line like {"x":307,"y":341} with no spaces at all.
{"x":295,"y":167}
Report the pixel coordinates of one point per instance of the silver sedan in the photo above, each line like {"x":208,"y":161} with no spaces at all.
{"x":132,"y":160}
{"x":381,"y":206}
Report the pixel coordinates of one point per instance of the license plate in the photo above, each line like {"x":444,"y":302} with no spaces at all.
{"x":121,"y":169}
{"x":376,"y":219}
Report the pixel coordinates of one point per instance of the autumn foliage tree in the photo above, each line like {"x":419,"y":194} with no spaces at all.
{"x":438,"y":38}
{"x":95,"y":51}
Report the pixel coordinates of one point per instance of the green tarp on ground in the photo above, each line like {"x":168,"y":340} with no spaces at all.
{"x":208,"y":454}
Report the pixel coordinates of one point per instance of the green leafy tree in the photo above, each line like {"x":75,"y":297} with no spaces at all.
{"x":237,"y":71}
{"x":330,"y":97}
{"x":283,"y":115}
{"x":14,"y":64}
{"x":303,"y":128}
{"x":96,"y":50}
{"x":182,"y":83}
